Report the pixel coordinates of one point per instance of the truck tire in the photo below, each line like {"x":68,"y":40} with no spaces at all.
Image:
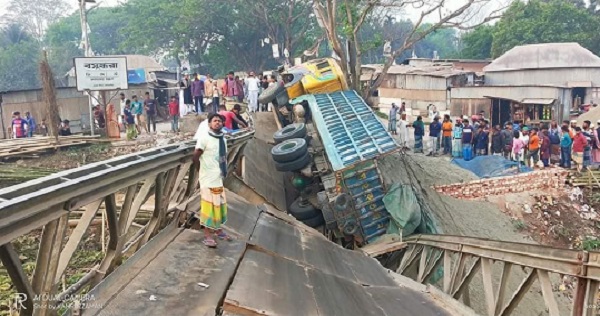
{"x":291,"y":131}
{"x":315,"y":221}
{"x":289,"y":150}
{"x":270,"y":93}
{"x":282,"y":98}
{"x":350,"y":227}
{"x":342,"y":202}
{"x":293,"y":165}
{"x":302,"y":212}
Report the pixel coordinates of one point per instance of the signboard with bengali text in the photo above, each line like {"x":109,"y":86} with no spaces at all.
{"x":101,"y":73}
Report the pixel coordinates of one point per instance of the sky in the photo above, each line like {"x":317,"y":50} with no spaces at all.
{"x":4,"y":4}
{"x":413,"y":14}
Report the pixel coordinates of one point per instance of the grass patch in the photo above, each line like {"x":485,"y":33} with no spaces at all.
{"x":519,"y":224}
{"x":382,"y":115}
{"x":590,"y":244}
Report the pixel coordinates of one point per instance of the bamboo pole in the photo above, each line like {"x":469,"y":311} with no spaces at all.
{"x":103,"y":234}
{"x":51,"y":106}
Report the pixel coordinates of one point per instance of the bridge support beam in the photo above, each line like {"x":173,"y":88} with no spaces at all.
{"x":12,"y":263}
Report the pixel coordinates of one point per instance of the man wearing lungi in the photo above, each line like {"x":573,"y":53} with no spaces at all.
{"x":211,"y":155}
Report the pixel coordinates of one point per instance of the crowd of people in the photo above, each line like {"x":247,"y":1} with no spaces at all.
{"x":535,"y":147}
{"x":26,"y":127}
{"x":198,"y":94}
{"x":202,"y":94}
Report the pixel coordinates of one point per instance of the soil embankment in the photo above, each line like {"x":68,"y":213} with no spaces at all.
{"x":465,"y":218}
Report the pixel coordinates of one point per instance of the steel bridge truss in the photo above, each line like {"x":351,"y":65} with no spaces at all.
{"x":161,"y":179}
{"x":462,"y":258}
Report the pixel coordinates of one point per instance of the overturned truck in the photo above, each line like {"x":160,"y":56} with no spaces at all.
{"x":329,"y":145}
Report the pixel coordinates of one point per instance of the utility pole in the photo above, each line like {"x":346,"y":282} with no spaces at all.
{"x":2,"y":117}
{"x":87,"y":49}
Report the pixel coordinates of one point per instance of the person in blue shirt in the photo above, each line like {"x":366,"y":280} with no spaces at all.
{"x":467,"y":141}
{"x":482,"y":141}
{"x":137,"y":109}
{"x":457,"y":133}
{"x":419,"y":127}
{"x":435,"y":128}
{"x":565,"y":148}
{"x":30,"y":124}
{"x":130,"y":121}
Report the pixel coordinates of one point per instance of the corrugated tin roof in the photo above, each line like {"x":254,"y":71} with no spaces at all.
{"x":444,"y":70}
{"x":545,"y":56}
{"x":348,"y":127}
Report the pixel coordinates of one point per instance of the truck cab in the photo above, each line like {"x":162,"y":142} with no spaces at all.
{"x":328,"y":147}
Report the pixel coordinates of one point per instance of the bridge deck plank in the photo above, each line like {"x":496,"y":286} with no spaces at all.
{"x":173,"y":279}
{"x":275,"y":267}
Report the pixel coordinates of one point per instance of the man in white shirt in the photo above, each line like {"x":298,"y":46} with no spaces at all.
{"x":252,"y":86}
{"x":403,"y":132}
{"x":211,"y":157}
{"x":121,"y":117}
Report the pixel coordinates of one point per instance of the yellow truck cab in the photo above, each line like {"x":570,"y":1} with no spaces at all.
{"x":317,"y":76}
{"x":314,"y":77}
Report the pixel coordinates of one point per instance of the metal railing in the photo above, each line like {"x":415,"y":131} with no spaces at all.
{"x":162,"y":180}
{"x":461,"y":258}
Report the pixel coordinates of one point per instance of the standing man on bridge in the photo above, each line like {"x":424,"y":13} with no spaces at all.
{"x":211,"y":156}
{"x":252,"y":86}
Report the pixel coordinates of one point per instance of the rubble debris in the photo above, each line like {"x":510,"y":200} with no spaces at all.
{"x":477,"y":189}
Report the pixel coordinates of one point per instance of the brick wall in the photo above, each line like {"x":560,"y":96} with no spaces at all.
{"x":543,"y":179}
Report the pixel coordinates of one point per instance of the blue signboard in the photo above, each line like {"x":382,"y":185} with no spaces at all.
{"x":136,"y":76}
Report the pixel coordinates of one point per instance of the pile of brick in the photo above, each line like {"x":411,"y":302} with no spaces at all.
{"x":542,"y":179}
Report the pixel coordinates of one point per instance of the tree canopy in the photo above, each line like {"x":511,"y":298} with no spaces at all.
{"x":545,"y":22}
{"x":219,"y":36}
{"x":537,"y":21}
{"x":477,"y":44}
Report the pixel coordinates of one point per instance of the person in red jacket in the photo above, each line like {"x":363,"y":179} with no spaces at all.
{"x":18,"y":126}
{"x":579,"y":143}
{"x":174,"y":113}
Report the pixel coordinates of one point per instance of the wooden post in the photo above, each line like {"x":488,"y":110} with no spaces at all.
{"x":2,"y":118}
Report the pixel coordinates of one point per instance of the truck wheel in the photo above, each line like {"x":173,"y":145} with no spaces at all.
{"x":350,"y":227}
{"x":342,"y":202}
{"x":315,"y":221}
{"x":293,"y":165}
{"x":289,"y":150}
{"x":270,"y":93}
{"x":282,"y":98}
{"x":302,"y":212}
{"x":291,"y":131}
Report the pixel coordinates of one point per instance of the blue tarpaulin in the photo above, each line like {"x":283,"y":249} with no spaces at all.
{"x":490,"y":166}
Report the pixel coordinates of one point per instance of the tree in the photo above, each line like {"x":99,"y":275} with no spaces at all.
{"x":184,"y":29}
{"x":287,"y":23}
{"x":218,"y":35}
{"x":352,"y":14}
{"x":38,"y":15}
{"x":545,"y":22}
{"x":18,"y":66}
{"x":13,"y":33}
{"x":443,"y":41}
{"x":477,"y":43}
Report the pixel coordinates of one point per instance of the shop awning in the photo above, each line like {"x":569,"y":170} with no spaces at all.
{"x":501,"y":98}
{"x":538,"y":101}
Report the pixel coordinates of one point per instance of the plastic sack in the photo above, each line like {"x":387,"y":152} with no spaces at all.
{"x":402,"y":204}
